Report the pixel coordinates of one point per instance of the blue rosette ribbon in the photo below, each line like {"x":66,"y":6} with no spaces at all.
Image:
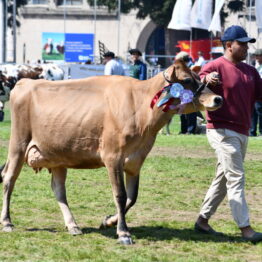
{"x":186,"y":96}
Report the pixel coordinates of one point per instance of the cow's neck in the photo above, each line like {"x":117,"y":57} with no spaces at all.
{"x":153,"y":119}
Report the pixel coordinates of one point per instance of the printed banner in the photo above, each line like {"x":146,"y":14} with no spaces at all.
{"x":181,"y":15}
{"x":215,"y":25}
{"x":201,"y":14}
{"x":258,"y":8}
{"x":67,"y":47}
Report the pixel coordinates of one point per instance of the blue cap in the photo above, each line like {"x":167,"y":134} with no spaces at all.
{"x":237,"y":33}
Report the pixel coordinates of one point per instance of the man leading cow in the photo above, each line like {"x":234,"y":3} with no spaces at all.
{"x":228,"y":128}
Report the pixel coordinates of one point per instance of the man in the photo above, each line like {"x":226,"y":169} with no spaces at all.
{"x":227,"y":130}
{"x":138,"y":69}
{"x":112,"y":66}
{"x":189,"y":121}
{"x":257,"y":113}
{"x":200,"y":60}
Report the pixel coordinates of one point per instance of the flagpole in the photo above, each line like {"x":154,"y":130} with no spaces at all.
{"x":211,"y":45}
{"x":190,"y":52}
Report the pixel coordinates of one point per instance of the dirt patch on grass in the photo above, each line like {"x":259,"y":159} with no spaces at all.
{"x":193,"y":153}
{"x":4,"y":143}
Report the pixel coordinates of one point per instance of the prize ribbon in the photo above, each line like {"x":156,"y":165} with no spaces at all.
{"x":176,"y":90}
{"x":186,"y":96}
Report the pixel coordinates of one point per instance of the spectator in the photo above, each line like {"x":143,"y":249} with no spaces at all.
{"x":189,"y":121}
{"x":257,"y":113}
{"x":138,"y":69}
{"x":200,"y":60}
{"x":112,"y":67}
{"x":228,"y":129}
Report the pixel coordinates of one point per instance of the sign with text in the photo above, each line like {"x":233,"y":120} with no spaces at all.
{"x":79,"y":47}
{"x":68,"y":47}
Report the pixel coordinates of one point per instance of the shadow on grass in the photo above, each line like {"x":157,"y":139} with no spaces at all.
{"x":155,"y":233}
{"x":158,"y":233}
{"x":51,"y":230}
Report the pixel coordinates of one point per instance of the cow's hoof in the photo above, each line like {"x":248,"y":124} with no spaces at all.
{"x":8,"y":228}
{"x":74,"y":231}
{"x":104,"y":224}
{"x":125,"y":240}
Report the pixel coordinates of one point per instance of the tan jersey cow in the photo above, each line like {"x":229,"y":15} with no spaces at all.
{"x":91,"y":123}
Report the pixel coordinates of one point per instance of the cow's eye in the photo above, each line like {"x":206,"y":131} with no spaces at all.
{"x":187,"y":81}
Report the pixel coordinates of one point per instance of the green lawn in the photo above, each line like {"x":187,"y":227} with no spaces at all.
{"x":174,"y":180}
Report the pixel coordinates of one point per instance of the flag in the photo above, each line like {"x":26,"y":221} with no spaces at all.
{"x":258,"y":8}
{"x":215,"y":25}
{"x":201,"y":14}
{"x":181,"y":15}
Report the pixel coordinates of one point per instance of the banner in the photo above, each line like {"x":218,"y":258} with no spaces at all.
{"x":67,"y":47}
{"x":201,"y":14}
{"x":204,"y":45}
{"x":79,"y":47}
{"x":215,"y":25}
{"x":181,"y":15}
{"x":258,"y":8}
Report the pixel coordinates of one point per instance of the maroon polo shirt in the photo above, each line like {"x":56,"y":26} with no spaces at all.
{"x":241,"y":87}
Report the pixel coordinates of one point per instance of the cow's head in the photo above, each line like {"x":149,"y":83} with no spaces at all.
{"x":51,"y":72}
{"x":195,"y":96}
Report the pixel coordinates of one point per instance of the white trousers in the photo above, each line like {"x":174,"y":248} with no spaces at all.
{"x":230,"y":148}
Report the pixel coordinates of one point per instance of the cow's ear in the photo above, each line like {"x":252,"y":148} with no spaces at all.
{"x":173,"y":74}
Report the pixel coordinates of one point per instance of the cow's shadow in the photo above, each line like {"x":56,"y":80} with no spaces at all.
{"x":155,"y":233}
{"x":159,"y":233}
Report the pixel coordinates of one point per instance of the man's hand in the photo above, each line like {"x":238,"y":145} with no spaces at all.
{"x":212,"y":79}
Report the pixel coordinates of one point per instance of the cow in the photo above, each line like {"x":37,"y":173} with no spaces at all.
{"x":10,"y":74}
{"x":51,"y":72}
{"x":101,"y":121}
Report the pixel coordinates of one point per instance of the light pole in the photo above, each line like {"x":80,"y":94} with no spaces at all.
{"x":118,"y":35}
{"x":94,"y":39}
{"x":14,"y":31}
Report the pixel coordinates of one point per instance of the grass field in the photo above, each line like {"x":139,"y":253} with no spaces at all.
{"x":174,"y":180}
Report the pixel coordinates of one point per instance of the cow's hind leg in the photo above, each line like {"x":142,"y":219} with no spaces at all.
{"x":132,"y":185}
{"x":58,"y":186}
{"x":9,"y":175}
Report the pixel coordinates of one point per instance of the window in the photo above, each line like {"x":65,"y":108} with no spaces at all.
{"x":69,"y":2}
{"x":250,"y":2}
{"x":38,"y":2}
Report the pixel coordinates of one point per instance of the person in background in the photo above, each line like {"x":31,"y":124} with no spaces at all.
{"x":189,"y":121}
{"x":257,"y":113}
{"x":200,"y":60}
{"x":227,"y":130}
{"x":112,"y":66}
{"x":137,"y":69}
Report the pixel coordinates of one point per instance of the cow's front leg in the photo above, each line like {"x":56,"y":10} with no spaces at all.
{"x":58,"y":186}
{"x":115,"y":171}
{"x":132,"y":185}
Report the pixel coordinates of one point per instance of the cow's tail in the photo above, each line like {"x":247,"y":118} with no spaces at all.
{"x":1,"y":169}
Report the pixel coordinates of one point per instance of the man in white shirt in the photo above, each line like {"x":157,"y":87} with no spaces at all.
{"x":201,"y":60}
{"x":112,"y":66}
